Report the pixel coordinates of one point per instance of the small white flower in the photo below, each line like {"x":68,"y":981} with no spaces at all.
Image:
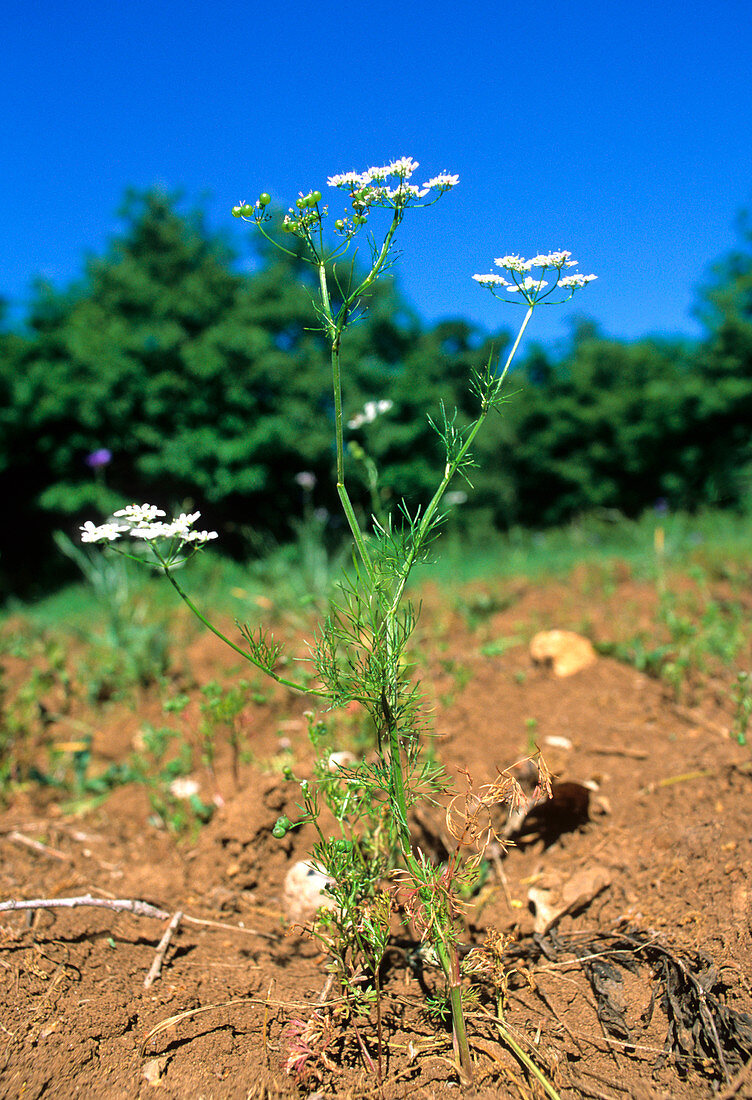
{"x":376,"y":174}
{"x":442,"y":182}
{"x":527,"y":285}
{"x":150,"y":531}
{"x":182,"y":524}
{"x":348,"y":180}
{"x":553,"y":259}
{"x":574,"y":281}
{"x":512,"y":263}
{"x":200,"y":536}
{"x":490,"y":280}
{"x":403,"y":167}
{"x":140,"y":513}
{"x":106,"y":532}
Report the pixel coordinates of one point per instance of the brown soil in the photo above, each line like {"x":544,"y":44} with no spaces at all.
{"x":594,"y":1001}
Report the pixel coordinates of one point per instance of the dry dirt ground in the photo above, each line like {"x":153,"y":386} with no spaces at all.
{"x":641,"y":990}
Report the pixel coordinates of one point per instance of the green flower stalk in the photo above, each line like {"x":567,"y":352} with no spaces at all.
{"x":359,"y":652}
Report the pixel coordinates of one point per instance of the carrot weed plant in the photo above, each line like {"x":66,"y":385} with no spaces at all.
{"x":358,"y":654}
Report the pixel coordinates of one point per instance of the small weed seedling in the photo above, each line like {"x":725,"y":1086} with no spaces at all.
{"x":359,"y":651}
{"x":743,"y":706}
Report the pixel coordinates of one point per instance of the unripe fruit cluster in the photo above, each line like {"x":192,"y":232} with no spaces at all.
{"x":246,"y":210}
{"x":281,"y":827}
{"x":307,"y":202}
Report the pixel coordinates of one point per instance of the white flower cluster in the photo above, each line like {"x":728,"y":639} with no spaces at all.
{"x":371,"y":410}
{"x":530,"y":288}
{"x":370,"y":188}
{"x":140,"y":521}
{"x":550,"y":259}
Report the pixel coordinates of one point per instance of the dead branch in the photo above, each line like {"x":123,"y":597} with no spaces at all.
{"x":123,"y":905}
{"x":37,"y":846}
{"x":164,"y":943}
{"x":119,"y":905}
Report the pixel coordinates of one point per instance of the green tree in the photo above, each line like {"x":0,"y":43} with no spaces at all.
{"x":721,"y":447}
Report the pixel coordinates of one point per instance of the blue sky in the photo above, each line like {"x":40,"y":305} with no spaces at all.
{"x":619,"y":131}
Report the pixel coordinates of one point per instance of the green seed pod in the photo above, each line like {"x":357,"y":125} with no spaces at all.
{"x":281,"y":827}
{"x":316,"y":196}
{"x":264,"y":198}
{"x":247,"y":211}
{"x":237,"y":211}
{"x":301,"y":203}
{"x":339,"y":225}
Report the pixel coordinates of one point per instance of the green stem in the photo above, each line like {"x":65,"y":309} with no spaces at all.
{"x":238,"y":649}
{"x":451,"y":973}
{"x":450,"y":470}
{"x":526,"y":1060}
{"x":335,"y":327}
{"x":449,"y":964}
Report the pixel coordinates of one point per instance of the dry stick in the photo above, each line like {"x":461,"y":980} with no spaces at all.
{"x":164,"y":943}
{"x":634,"y":754}
{"x":37,"y":846}
{"x":123,"y":905}
{"x":119,"y":905}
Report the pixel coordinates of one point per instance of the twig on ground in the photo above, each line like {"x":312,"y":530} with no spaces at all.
{"x":118,"y":905}
{"x":37,"y":846}
{"x":123,"y":905}
{"x":633,"y":754}
{"x":164,"y":943}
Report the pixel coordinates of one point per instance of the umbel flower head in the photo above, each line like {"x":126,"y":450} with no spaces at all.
{"x":532,"y":289}
{"x":388,"y":185}
{"x":142,"y":521}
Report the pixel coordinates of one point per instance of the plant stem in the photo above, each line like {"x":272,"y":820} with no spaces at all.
{"x":450,"y":471}
{"x":529,"y":1064}
{"x":238,"y":649}
{"x":450,"y":966}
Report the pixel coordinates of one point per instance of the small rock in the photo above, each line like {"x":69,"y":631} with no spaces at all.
{"x":553,"y":897}
{"x":556,"y":742}
{"x":184,"y":787}
{"x":153,"y":1070}
{"x":562,"y":650}
{"x":303,"y":893}
{"x":339,"y":760}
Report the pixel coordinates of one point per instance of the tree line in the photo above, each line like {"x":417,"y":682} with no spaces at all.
{"x":209,"y":387}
